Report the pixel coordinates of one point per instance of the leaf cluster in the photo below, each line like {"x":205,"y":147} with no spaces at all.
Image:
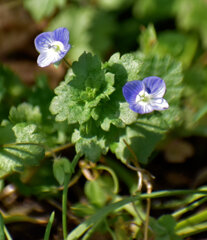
{"x":91,"y":97}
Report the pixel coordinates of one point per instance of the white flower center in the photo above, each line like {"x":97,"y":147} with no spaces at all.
{"x":56,"y":46}
{"x":143,"y":97}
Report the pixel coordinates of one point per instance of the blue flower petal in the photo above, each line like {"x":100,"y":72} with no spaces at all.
{"x":140,"y":108}
{"x":155,"y":86}
{"x":43,"y":41}
{"x":43,"y":60}
{"x":159,"y":104}
{"x":62,"y":35}
{"x":131,"y":89}
{"x":46,"y":58}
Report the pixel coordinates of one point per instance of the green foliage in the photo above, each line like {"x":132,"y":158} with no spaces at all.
{"x":61,"y":167}
{"x":98,"y":217}
{"x":2,"y":236}
{"x":27,"y":151}
{"x":113,"y":4}
{"x":153,"y":10}
{"x":82,"y":91}
{"x":25,"y":113}
{"x":40,"y":9}
{"x":195,"y":17}
{"x":99,"y":191}
{"x":41,"y":95}
{"x":164,"y":228}
{"x":49,"y":226}
{"x":178,"y":45}
{"x":87,"y":109}
{"x":91,"y":96}
{"x":12,"y":91}
{"x":151,"y":126}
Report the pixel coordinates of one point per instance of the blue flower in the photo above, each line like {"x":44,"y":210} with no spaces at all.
{"x":146,"y":96}
{"x":52,"y":46}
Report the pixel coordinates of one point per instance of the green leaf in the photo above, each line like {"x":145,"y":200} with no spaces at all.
{"x":49,"y":226}
{"x":150,"y":128}
{"x":16,"y":157}
{"x":95,"y":194}
{"x":6,"y":134}
{"x":27,"y":151}
{"x":98,"y":191}
{"x":27,"y":133}
{"x":41,"y":95}
{"x":82,"y":90}
{"x":61,"y":166}
{"x":83,"y":209}
{"x":25,"y":112}
{"x":40,"y":9}
{"x":171,"y":72}
{"x":148,"y":39}
{"x":164,"y":228}
{"x":141,"y":139}
{"x":91,"y":96}
{"x":179,"y":45}
{"x":91,"y":147}
{"x":115,"y":110}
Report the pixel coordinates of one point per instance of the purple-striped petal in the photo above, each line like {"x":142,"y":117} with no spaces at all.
{"x":62,"y":35}
{"x":159,"y":104}
{"x":141,"y":108}
{"x":131,"y":89}
{"x":46,"y":58}
{"x":43,"y":41}
{"x":155,"y":86}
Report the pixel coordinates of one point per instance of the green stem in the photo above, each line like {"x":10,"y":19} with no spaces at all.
{"x":65,"y":194}
{"x":169,"y":193}
{"x":64,"y":205}
{"x":58,"y":149}
{"x":2,"y":236}
{"x":192,"y":220}
{"x":7,"y":234}
{"x":189,"y":208}
{"x":146,"y":226}
{"x":113,"y":175}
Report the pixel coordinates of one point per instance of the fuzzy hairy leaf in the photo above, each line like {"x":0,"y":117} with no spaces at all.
{"x":91,"y":96}
{"x":148,"y":130}
{"x":82,"y":90}
{"x":25,"y":113}
{"x":91,"y":147}
{"x":27,"y":151}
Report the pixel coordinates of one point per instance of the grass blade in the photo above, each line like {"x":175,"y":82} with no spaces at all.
{"x":49,"y":226}
{"x":2,"y":236}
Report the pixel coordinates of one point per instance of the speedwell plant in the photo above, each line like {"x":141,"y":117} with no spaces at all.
{"x":125,"y":105}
